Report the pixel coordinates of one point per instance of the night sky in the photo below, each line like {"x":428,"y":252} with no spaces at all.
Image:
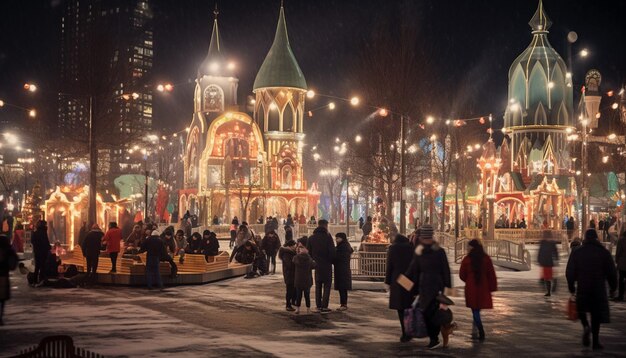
{"x":474,"y":43}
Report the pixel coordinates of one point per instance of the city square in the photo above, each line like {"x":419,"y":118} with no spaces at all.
{"x":278,"y":178}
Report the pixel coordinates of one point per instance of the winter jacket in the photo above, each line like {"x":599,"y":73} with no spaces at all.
{"x":134,"y":239}
{"x":194,"y":246}
{"x":112,"y":239}
{"x":242,"y":237}
{"x":245,"y":254}
{"x":181,"y":244}
{"x":304,"y":265}
{"x":211,"y":246}
{"x":18,"y":241}
{"x":478,"y":293}
{"x":41,"y":245}
{"x":589,"y":269}
{"x":170,"y":244}
{"x":8,"y":261}
{"x":430,"y":272}
{"x":270,"y":244}
{"x":399,"y":257}
{"x":286,"y":255}
{"x":153,"y":246}
{"x":367,"y":228}
{"x":548,"y":253}
{"x":321,"y":247}
{"x":343,"y":274}
{"x":620,"y":254}
{"x":92,"y":243}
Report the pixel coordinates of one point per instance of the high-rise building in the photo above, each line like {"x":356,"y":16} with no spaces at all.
{"x":107,"y":47}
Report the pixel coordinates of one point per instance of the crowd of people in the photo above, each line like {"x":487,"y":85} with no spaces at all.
{"x":417,"y":270}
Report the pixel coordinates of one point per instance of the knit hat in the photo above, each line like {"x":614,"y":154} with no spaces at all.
{"x":156,"y":233}
{"x":290,"y":243}
{"x":426,"y":232}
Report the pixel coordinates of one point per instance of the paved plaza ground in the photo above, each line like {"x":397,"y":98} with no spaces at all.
{"x":246,"y":318}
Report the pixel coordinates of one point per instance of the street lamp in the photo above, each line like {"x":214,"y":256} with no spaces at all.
{"x":348,"y":175}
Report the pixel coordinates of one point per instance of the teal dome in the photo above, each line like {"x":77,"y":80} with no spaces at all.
{"x":540,"y":87}
{"x":280,"y":68}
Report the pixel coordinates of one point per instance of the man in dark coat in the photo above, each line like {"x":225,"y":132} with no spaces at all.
{"x":211,"y":244}
{"x":270,"y":245}
{"x":367,"y":228}
{"x":286,"y":255}
{"x":41,"y":248}
{"x":91,"y":250}
{"x":155,"y":249}
{"x":620,"y":260}
{"x":322,"y":249}
{"x":570,"y":225}
{"x":589,"y":269}
{"x":430,"y":272}
{"x":548,"y":257}
{"x":343,"y":274}
{"x":399,"y":257}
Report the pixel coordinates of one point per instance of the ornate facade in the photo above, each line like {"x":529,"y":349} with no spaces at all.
{"x":530,"y":175}
{"x":238,"y":165}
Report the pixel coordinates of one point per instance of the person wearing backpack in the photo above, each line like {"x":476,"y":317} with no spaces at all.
{"x":8,"y":262}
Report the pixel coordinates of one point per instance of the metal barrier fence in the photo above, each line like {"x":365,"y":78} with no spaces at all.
{"x":527,"y":235}
{"x":508,"y":252}
{"x":445,"y":239}
{"x":503,"y":252}
{"x":368,"y":265}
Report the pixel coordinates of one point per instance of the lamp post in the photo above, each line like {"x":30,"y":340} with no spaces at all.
{"x":348,"y":174}
{"x":402,"y":178}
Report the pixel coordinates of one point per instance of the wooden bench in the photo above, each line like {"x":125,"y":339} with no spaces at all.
{"x":198,"y":263}
{"x":58,"y":347}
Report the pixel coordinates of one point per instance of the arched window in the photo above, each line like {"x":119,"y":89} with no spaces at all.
{"x":286,"y":182}
{"x":237,"y":159}
{"x":538,"y":87}
{"x":213,"y":99}
{"x":273,"y":118}
{"x":289,"y":119}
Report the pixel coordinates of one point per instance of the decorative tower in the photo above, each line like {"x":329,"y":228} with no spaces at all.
{"x":215,"y":93}
{"x":216,"y":86}
{"x":592,"y":97}
{"x":540,"y":103}
{"x":280,"y":90}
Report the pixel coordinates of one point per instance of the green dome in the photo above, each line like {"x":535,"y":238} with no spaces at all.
{"x":280,"y":68}
{"x":540,"y":87}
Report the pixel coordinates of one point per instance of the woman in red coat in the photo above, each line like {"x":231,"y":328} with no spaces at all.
{"x":480,"y":280}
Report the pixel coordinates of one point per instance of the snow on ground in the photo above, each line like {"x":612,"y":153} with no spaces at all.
{"x":246,"y":318}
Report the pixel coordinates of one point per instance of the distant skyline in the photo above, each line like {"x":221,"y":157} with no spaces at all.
{"x":474,"y":43}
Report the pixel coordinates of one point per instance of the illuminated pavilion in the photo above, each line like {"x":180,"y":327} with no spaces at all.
{"x":530,"y":176}
{"x":238,"y":165}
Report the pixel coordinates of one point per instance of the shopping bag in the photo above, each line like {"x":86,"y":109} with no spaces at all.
{"x":405,"y":282}
{"x":571,"y":310}
{"x":414,"y":324}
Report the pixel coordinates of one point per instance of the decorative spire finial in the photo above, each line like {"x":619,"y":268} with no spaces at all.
{"x":216,"y":11}
{"x":540,"y":22}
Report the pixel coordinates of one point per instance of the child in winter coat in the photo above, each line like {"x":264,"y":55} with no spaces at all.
{"x":303,"y":277}
{"x":286,"y":255}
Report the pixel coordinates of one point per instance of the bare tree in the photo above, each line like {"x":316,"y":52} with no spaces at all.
{"x":395,"y":73}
